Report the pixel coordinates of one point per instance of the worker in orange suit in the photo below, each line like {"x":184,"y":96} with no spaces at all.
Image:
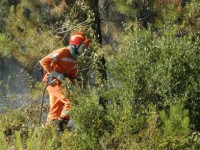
{"x":57,"y":64}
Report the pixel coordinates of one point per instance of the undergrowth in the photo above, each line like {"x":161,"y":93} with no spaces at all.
{"x":151,"y":101}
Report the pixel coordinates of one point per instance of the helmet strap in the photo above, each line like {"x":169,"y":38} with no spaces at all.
{"x":78,"y":48}
{"x":73,"y":51}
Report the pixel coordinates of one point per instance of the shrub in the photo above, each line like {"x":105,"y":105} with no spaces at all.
{"x":11,"y":121}
{"x":175,"y":127}
{"x":4,"y":144}
{"x":154,"y":69}
{"x":7,"y":45}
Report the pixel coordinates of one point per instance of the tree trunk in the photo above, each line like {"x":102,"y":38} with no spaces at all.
{"x":94,"y":5}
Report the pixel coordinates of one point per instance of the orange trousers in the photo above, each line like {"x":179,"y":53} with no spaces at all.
{"x":59,"y":104}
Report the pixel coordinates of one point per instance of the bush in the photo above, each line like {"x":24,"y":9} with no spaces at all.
{"x":152,"y":90}
{"x":4,"y":145}
{"x":4,"y":8}
{"x":11,"y":121}
{"x":155,"y":69}
{"x":7,"y":45}
{"x":175,"y":127}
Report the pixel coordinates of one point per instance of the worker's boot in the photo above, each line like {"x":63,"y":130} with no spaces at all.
{"x":61,"y":123}
{"x":60,"y":127}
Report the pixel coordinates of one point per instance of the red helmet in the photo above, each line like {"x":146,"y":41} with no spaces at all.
{"x":78,"y":38}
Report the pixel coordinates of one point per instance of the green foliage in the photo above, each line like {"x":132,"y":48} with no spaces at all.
{"x":126,"y":7}
{"x":149,"y":11}
{"x":123,"y":121}
{"x":18,"y":141}
{"x":7,"y":45}
{"x":158,"y":68}
{"x":175,"y":126}
{"x":4,"y":144}
{"x":34,"y":139}
{"x":88,"y":121}
{"x":41,"y":138}
{"x":68,"y":140}
{"x":149,"y":72}
{"x":32,"y":39}
{"x":158,"y":13}
{"x":10,"y":121}
{"x":4,"y":9}
{"x":190,"y":20}
{"x":96,"y":127}
{"x":166,"y":14}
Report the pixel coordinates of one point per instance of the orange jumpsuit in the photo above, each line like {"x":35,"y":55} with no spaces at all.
{"x":62,"y":62}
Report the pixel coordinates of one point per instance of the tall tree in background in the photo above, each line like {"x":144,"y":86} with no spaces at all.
{"x":94,"y":6}
{"x":158,"y":12}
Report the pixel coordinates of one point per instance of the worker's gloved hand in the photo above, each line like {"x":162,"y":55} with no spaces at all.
{"x":51,"y":77}
{"x":57,"y":75}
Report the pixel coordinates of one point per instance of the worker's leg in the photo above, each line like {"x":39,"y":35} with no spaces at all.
{"x":59,"y":106}
{"x":55,"y":109}
{"x":56,"y":104}
{"x":66,"y":108}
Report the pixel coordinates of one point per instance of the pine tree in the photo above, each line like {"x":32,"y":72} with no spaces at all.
{"x":176,"y":121}
{"x":30,"y":33}
{"x":176,"y":128}
{"x":4,"y":9}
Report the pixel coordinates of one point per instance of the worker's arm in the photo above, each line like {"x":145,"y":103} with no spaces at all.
{"x":51,"y":74}
{"x":47,"y":61}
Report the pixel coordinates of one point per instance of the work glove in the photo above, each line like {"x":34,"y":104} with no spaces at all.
{"x":53,"y":76}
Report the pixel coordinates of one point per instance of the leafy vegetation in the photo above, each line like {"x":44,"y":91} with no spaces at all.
{"x":150,"y":99}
